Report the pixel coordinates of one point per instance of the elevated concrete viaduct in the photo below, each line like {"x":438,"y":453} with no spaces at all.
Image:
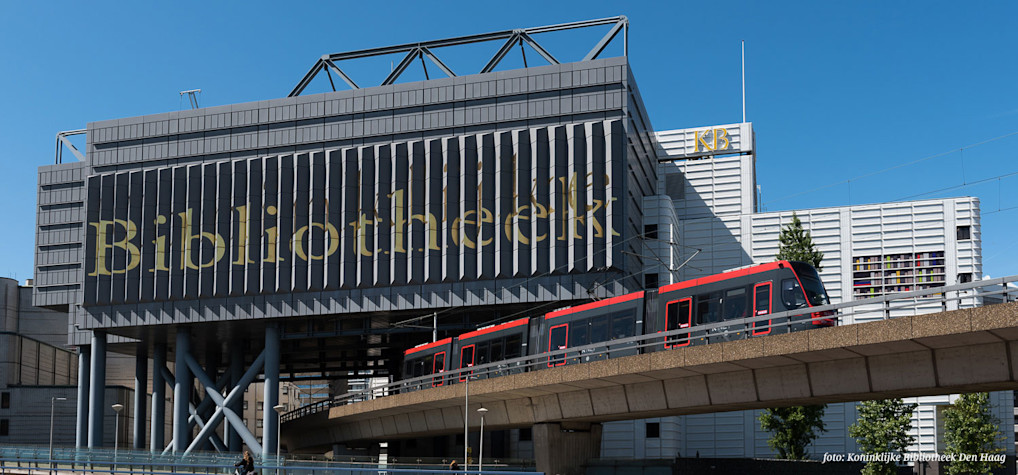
{"x":955,"y":351}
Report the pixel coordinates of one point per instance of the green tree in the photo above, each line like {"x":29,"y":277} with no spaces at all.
{"x":970,"y":429}
{"x":882,"y":427}
{"x":792,"y":429}
{"x":796,"y":244}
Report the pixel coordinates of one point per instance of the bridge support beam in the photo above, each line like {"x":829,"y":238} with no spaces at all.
{"x":564,"y":448}
{"x":84,"y":364}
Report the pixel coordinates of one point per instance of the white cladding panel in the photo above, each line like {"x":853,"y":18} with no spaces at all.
{"x":716,"y":227}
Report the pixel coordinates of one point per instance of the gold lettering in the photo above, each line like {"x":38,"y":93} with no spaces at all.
{"x":399,"y":222}
{"x":723,"y":135}
{"x":466,"y":235}
{"x":186,"y":250}
{"x":486,"y":217}
{"x":271,"y":235}
{"x":431,"y":223}
{"x":162,"y":253}
{"x":699,"y":140}
{"x":360,"y":229}
{"x":242,"y":236}
{"x":509,"y":225}
{"x":104,"y":234}
{"x":297,"y":244}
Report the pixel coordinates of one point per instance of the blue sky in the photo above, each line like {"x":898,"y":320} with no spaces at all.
{"x":836,"y":90}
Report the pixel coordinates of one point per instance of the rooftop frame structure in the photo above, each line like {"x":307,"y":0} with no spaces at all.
{"x":420,"y":50}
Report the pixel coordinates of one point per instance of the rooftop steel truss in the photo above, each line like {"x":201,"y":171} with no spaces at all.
{"x":419,"y":51}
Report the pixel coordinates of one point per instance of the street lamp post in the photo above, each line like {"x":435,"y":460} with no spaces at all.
{"x":466,"y":420}
{"x":52,"y":406}
{"x":279,"y":408}
{"x":116,"y":433}
{"x":480,"y":444}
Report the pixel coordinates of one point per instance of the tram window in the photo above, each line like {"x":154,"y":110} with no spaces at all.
{"x":578,"y":333}
{"x":439,"y":363}
{"x":791,"y":294}
{"x":467,"y":356}
{"x":707,"y":310}
{"x":513,"y":347}
{"x":762,"y":304}
{"x":418,"y":368}
{"x":482,"y":353}
{"x":677,"y":314}
{"x":496,"y":350}
{"x":622,"y":325}
{"x":599,"y":329}
{"x":734,"y":305}
{"x":557,"y":341}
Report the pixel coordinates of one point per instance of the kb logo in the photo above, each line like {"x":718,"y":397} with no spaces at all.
{"x":710,"y":140}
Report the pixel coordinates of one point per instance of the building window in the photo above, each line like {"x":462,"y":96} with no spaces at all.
{"x":526,"y":434}
{"x":5,"y":427}
{"x":286,"y":389}
{"x":5,"y":400}
{"x":261,"y":405}
{"x":650,"y":231}
{"x":650,"y":281}
{"x":245,"y":405}
{"x":964,"y":277}
{"x":653,"y":430}
{"x":259,"y":423}
{"x":964,"y":233}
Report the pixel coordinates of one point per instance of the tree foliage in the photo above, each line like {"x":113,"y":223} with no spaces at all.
{"x":796,"y":244}
{"x":970,"y":429}
{"x":883,"y":427}
{"x":792,"y":429}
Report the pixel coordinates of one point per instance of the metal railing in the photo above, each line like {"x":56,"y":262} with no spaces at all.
{"x":917,"y":302}
{"x":72,"y":460}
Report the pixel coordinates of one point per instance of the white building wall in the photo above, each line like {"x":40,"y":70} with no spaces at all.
{"x":718,"y":227}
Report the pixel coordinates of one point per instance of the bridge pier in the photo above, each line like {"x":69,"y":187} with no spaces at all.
{"x":564,"y":448}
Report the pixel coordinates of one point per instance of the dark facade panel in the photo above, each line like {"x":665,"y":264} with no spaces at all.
{"x":362,"y":213}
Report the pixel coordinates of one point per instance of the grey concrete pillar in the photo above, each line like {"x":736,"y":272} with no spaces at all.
{"x":97,"y":390}
{"x":182,"y":393}
{"x":269,"y":416}
{"x":158,"y":435}
{"x":84,"y":370}
{"x":212,"y":362}
{"x":564,"y":448}
{"x":234,"y":441}
{"x":140,"y":394}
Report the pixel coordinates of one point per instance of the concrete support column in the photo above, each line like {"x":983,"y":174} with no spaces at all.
{"x":564,"y":448}
{"x":158,"y":435}
{"x":212,"y":362}
{"x":182,"y":393}
{"x":234,"y":441}
{"x":271,"y":371}
{"x":140,"y":394}
{"x":97,"y":390}
{"x":84,"y":367}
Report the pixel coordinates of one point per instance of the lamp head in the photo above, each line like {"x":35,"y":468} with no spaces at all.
{"x":482,"y":411}
{"x":118,"y":407}
{"x":279,"y":408}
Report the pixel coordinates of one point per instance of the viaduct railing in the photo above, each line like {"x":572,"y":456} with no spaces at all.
{"x":917,"y":302}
